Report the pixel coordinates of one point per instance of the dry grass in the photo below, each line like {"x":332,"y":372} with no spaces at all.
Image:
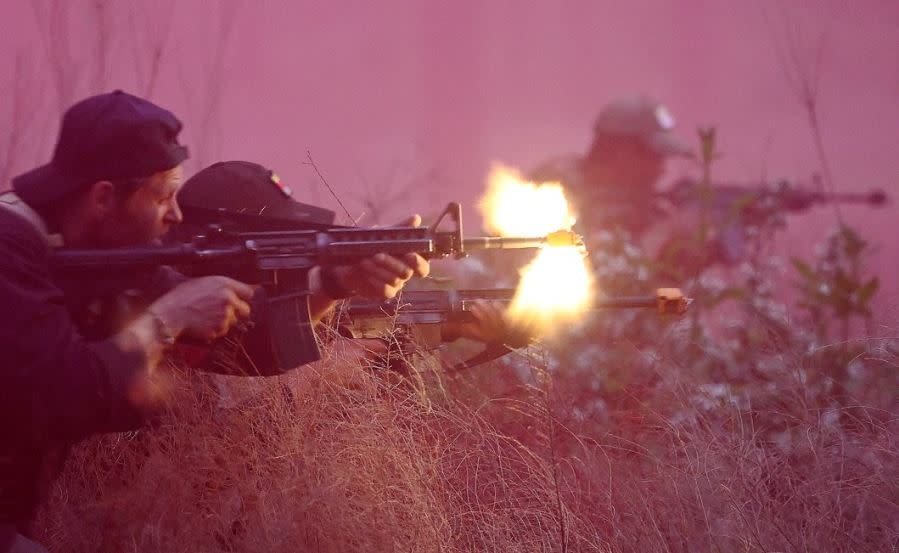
{"x":338,"y":458}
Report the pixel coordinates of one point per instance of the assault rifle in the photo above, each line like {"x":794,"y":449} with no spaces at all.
{"x":784,"y":197}
{"x":424,"y":311}
{"x":279,"y":261}
{"x":735,"y":212}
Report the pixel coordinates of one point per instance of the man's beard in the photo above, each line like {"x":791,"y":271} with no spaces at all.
{"x":119,"y":231}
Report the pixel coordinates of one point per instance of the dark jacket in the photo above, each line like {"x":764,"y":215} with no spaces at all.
{"x":57,"y":388}
{"x":62,"y":378}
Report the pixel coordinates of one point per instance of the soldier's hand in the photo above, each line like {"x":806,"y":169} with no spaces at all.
{"x":491,"y":324}
{"x":382,"y":276}
{"x":204,"y":308}
{"x":420,"y":266}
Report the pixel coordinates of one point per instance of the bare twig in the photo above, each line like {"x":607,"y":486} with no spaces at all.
{"x":19,"y":120}
{"x":104,"y":31}
{"x":400,"y":181}
{"x":53,"y":19}
{"x":153,"y":42}
{"x":311,"y":162}
{"x":205,"y":94}
{"x":803,"y":74}
{"x":215,"y":83}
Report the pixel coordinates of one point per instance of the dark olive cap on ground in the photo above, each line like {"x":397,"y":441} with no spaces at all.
{"x":246,"y":193}
{"x":106,"y":137}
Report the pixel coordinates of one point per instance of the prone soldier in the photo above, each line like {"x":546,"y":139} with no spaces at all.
{"x":245,"y":196}
{"x":113,"y":182}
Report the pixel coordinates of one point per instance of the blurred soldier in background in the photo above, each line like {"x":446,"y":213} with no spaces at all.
{"x":613,"y":188}
{"x":691,"y":225}
{"x":613,"y":185}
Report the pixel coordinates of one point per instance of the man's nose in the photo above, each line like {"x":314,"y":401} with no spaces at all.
{"x":174,"y":215}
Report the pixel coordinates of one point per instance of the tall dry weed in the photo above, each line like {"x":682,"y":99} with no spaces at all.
{"x":337,"y":457}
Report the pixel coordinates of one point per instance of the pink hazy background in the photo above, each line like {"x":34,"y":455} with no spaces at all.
{"x":405,"y":104}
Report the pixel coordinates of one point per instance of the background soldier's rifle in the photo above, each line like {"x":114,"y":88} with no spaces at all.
{"x":423,"y":312}
{"x":279,"y":261}
{"x":735,"y":213}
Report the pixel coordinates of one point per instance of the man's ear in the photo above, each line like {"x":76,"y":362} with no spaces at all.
{"x":101,"y":198}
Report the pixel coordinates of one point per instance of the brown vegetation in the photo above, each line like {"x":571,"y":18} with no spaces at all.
{"x":337,"y":458}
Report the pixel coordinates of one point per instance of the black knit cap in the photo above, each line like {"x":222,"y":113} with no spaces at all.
{"x":249,"y":196}
{"x":106,"y":137}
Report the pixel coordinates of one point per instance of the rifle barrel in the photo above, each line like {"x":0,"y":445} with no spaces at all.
{"x":875,"y":197}
{"x":502,"y":243}
{"x":662,"y":296}
{"x":506,"y":294}
{"x":666,"y":300}
{"x":559,"y":238}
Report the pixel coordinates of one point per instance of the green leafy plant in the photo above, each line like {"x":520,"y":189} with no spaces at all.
{"x":834,"y":287}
